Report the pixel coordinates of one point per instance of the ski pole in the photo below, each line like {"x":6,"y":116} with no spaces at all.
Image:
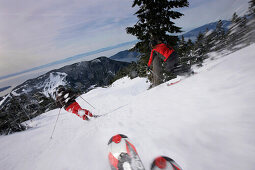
{"x":87,"y":102}
{"x":55,"y":124}
{"x":111,"y":111}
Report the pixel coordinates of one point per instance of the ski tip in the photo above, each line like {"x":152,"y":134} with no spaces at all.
{"x":170,"y":84}
{"x":117,"y":138}
{"x":164,"y":162}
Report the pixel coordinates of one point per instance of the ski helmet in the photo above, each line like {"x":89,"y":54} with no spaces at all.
{"x":60,"y":89}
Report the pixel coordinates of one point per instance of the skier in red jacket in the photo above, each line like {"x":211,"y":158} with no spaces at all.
{"x":66,"y":98}
{"x":165,"y":52}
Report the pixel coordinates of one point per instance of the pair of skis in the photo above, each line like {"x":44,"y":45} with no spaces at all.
{"x":123,"y":156}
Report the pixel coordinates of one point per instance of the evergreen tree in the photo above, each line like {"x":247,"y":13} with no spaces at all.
{"x":208,"y":39}
{"x":184,"y":50}
{"x":220,"y":32}
{"x":11,"y":121}
{"x":252,"y":7}
{"x":182,"y":47}
{"x":251,"y":23}
{"x":200,"y":44}
{"x":239,"y":31}
{"x":220,"y":36}
{"x":200,"y":49}
{"x":217,"y":37}
{"x":190,"y":52}
{"x":235,"y":18}
{"x":155,"y":21}
{"x":233,"y":30}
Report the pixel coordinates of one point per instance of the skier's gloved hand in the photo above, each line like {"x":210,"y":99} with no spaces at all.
{"x":148,"y":68}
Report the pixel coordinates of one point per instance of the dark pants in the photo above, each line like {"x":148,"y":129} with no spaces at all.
{"x":171,"y":62}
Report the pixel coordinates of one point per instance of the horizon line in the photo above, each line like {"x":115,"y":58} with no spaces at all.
{"x":68,"y":59}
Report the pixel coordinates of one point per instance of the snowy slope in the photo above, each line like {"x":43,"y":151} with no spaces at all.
{"x":205,"y":122}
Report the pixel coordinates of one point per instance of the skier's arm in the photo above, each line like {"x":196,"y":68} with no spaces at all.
{"x":172,"y":52}
{"x":58,"y":102}
{"x":151,"y":58}
{"x":73,"y":95}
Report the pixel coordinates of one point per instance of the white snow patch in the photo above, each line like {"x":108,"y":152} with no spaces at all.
{"x":55,"y":79}
{"x":96,"y":61}
{"x":208,"y":33}
{"x":2,"y":101}
{"x":119,"y":94}
{"x":14,"y":93}
{"x":239,"y":46}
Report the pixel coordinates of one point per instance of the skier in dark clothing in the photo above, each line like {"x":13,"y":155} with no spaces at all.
{"x":164,"y":52}
{"x":66,"y":98}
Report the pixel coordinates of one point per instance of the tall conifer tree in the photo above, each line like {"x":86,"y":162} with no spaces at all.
{"x":155,"y":20}
{"x":252,"y":7}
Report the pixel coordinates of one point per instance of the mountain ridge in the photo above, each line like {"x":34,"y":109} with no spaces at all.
{"x":126,"y":56}
{"x":192,"y":34}
{"x":36,"y":95}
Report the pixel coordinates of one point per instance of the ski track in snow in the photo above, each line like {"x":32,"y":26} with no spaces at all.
{"x":206,"y":121}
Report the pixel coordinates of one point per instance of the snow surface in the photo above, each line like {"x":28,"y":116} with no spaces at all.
{"x":204,"y":122}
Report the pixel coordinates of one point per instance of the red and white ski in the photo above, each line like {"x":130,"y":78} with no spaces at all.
{"x":123,"y":155}
{"x":165,"y":163}
{"x":174,"y":81}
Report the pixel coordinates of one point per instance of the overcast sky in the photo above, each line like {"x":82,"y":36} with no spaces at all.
{"x":34,"y":33}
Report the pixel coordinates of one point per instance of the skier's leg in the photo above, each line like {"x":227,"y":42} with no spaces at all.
{"x":171,"y":62}
{"x":85,"y":113}
{"x":75,"y":108}
{"x":82,"y":113}
{"x":72,"y":108}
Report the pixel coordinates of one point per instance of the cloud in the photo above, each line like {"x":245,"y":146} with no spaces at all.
{"x":33,"y":33}
{"x":70,"y":59}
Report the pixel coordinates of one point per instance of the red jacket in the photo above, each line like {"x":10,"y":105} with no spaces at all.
{"x":162,"y":49}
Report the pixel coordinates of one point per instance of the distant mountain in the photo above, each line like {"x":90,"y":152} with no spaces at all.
{"x":35,"y":96}
{"x":4,"y":88}
{"x":211,"y":26}
{"x":82,"y":76}
{"x":126,"y":56}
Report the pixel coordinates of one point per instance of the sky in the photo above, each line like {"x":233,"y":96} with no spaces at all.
{"x":35,"y":34}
